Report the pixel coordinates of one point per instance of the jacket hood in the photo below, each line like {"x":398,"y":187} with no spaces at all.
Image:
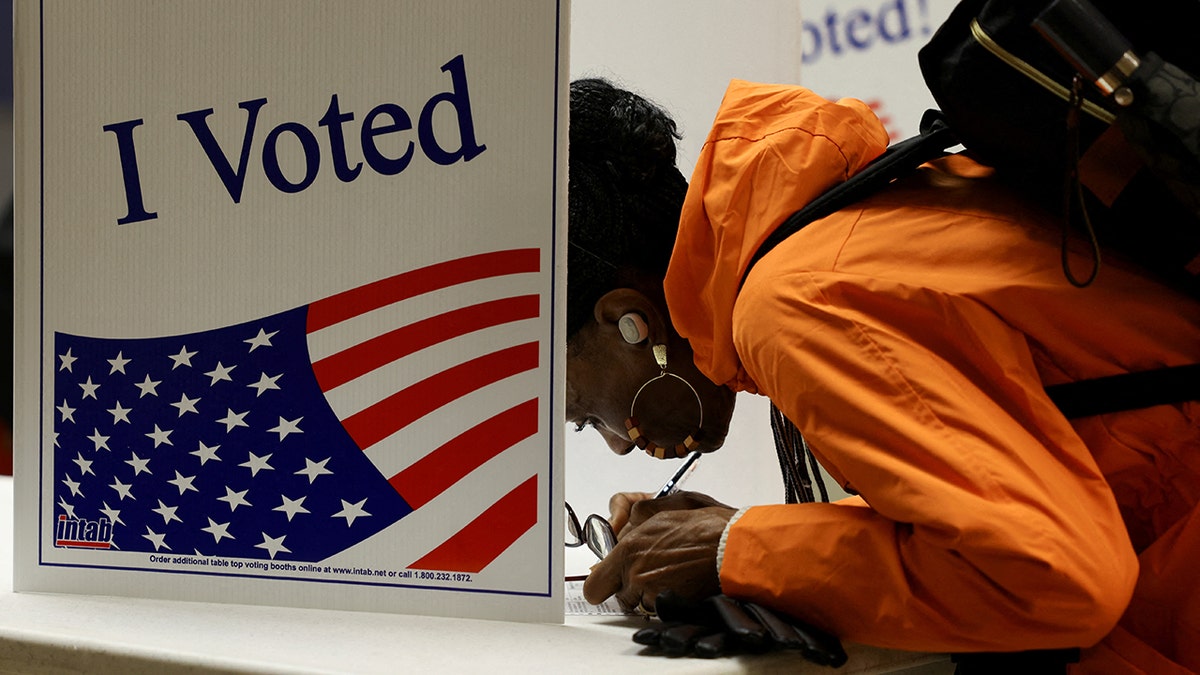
{"x":771,"y":150}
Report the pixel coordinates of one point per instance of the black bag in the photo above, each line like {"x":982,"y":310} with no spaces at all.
{"x":1016,"y":122}
{"x":1005,"y":90}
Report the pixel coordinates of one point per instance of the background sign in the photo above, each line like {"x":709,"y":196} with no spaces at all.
{"x":867,"y":49}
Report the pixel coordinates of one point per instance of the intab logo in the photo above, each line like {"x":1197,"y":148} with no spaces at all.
{"x":79,"y":533}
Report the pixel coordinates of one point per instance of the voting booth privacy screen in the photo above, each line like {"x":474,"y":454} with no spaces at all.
{"x":288,"y":287}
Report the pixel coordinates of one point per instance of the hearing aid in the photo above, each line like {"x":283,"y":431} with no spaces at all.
{"x":633,"y":328}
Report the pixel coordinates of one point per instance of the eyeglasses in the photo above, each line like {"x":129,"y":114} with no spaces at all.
{"x":596,"y":533}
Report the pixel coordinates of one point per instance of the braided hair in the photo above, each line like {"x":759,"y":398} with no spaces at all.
{"x":625,"y":194}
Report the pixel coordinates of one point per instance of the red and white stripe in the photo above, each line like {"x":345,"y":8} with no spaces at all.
{"x":434,"y":373}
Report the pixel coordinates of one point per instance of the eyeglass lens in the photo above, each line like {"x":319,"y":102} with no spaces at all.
{"x":599,"y":536}
{"x":573,"y":536}
{"x":596,"y":532}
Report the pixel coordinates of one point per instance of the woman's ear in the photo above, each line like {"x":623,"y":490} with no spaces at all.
{"x":632,"y":316}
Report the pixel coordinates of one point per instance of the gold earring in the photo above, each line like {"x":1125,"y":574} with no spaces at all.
{"x":631,"y":423}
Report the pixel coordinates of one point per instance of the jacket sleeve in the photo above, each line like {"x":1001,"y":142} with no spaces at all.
{"x":989,"y":526}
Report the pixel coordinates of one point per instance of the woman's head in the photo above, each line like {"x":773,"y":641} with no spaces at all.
{"x":625,"y":196}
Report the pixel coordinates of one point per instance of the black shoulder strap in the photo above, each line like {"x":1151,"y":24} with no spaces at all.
{"x":1075,"y":399}
{"x":1127,"y":392}
{"x":899,"y":159}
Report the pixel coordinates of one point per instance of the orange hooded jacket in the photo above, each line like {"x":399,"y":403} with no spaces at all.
{"x":910,"y":337}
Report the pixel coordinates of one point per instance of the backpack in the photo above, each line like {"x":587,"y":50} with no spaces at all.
{"x":1018,"y":126}
{"x":1124,"y":166}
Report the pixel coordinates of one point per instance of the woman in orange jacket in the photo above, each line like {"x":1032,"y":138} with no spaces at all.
{"x":909,"y":338}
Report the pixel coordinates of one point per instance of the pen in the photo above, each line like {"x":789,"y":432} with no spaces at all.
{"x":669,"y":488}
{"x":674,"y":482}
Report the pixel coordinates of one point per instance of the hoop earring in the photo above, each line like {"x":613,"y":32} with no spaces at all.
{"x":635,"y":433}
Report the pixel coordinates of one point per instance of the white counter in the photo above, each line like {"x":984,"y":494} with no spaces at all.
{"x":59,"y":633}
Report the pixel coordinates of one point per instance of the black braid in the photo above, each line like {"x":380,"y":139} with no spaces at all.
{"x":794,"y":460}
{"x":624,"y":196}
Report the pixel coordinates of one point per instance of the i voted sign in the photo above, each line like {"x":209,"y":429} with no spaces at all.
{"x":289,"y":303}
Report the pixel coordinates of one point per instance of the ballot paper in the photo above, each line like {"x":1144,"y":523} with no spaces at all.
{"x":290,"y":306}
{"x":577,"y":606}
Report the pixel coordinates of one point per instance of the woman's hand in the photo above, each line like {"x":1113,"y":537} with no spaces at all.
{"x":621,"y":506}
{"x":669,"y":543}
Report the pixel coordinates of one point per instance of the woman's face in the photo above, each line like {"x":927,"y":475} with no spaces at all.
{"x":605,"y":374}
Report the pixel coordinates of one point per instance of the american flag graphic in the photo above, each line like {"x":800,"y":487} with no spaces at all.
{"x":299,"y":435}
